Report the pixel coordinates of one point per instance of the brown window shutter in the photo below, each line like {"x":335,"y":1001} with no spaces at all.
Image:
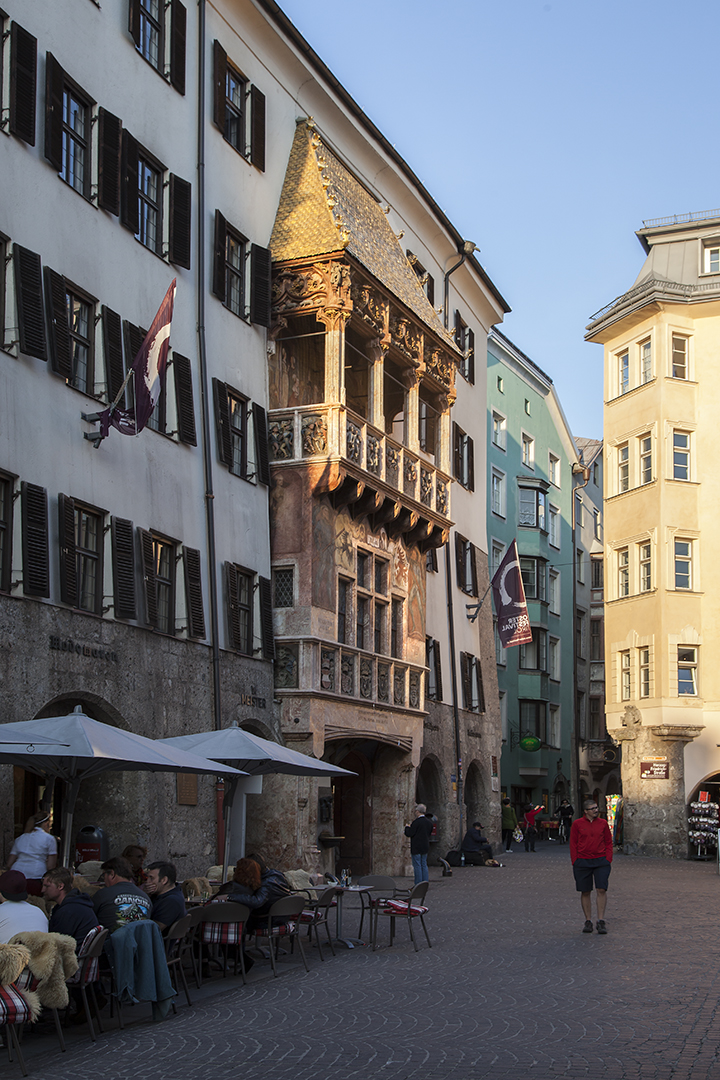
{"x":232,"y":602}
{"x":129,"y":211}
{"x":112,"y":347}
{"x":430,"y":289}
{"x":68,"y":556}
{"x":193,"y":592}
{"x":465,"y":679}
{"x":54,"y":81}
{"x":459,"y":561}
{"x":473,"y":570}
{"x":219,"y":83}
{"x":134,"y":21}
{"x":29,"y":296}
{"x":471,"y":464}
{"x":23,"y":83}
{"x":184,"y":401}
{"x":480,"y":687}
{"x":180,"y":221}
{"x":438,"y":671}
{"x":178,"y":36}
{"x":149,"y":582}
{"x":257,"y":128}
{"x":36,"y":563}
{"x":222,"y":422}
{"x":471,"y":357}
{"x":60,"y":345}
{"x":134,"y":337}
{"x":260,"y":285}
{"x":123,"y":552}
{"x":109,"y":158}
{"x":219,"y":256}
{"x":266,"y":627}
{"x":261,"y":444}
{"x":458,"y":330}
{"x":457,"y":458}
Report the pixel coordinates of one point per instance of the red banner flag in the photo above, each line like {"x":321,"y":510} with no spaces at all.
{"x":509,"y":596}
{"x":148,"y":372}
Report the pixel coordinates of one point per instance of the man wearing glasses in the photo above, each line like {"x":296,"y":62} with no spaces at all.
{"x":591,"y":851}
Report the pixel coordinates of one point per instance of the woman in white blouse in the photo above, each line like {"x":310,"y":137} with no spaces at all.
{"x":35,"y":851}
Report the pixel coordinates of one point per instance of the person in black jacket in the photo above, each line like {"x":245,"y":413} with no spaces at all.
{"x":73,"y":913}
{"x":419,"y":833}
{"x":476,"y":847}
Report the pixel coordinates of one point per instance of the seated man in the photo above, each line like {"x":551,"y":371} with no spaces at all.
{"x":16,"y":915}
{"x":475,"y":846}
{"x":73,"y":913}
{"x":168,"y":900}
{"x":121,"y":901}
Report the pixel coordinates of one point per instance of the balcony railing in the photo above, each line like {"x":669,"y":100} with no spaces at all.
{"x":319,"y":432}
{"x":311,"y":665}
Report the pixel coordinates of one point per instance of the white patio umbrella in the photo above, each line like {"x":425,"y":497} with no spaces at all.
{"x":75,"y":747}
{"x":254,"y":756}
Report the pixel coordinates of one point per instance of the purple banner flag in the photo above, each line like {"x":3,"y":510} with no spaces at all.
{"x":148,"y":374}
{"x":509,"y":597}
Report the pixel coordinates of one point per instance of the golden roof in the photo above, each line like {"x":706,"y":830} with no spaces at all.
{"x":323,"y":209}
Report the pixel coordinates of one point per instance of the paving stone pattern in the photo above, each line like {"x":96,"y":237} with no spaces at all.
{"x":511,"y":990}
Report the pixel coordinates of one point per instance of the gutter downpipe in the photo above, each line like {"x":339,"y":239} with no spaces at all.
{"x":585,"y":472}
{"x":206,"y":444}
{"x":453,"y":672}
{"x":468,"y":248}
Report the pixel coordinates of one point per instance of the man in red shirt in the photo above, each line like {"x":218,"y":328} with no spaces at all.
{"x":591,"y":851}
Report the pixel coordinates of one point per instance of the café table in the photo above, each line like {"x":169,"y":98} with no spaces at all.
{"x":342,"y":890}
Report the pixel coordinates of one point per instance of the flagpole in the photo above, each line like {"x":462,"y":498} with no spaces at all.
{"x":92,"y":418}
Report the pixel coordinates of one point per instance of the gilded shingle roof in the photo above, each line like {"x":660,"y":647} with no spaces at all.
{"x":323,"y":209}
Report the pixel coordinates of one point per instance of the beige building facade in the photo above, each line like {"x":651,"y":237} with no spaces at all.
{"x":661,"y":513}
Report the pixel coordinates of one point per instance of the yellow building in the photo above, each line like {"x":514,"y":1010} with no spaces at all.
{"x":662,"y":513}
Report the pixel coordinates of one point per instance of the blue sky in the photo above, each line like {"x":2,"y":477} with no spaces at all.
{"x":547,"y":130}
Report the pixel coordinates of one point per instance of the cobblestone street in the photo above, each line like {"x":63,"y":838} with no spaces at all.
{"x":511,"y":989}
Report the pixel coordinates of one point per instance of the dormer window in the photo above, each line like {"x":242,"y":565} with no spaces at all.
{"x":711,"y":257}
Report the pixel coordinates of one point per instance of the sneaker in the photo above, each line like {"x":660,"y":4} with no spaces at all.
{"x":601,"y":927}
{"x":508,"y":851}
{"x":588,"y":927}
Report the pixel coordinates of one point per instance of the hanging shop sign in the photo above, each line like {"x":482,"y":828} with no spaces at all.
{"x":655,"y":769}
{"x":531,"y":743}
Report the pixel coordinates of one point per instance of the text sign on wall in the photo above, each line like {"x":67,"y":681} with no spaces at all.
{"x":655,"y":770}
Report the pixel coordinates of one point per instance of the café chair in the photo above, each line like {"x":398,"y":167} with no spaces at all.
{"x":315,"y":915}
{"x":412,"y":908}
{"x":384,"y":888}
{"x":177,"y":942}
{"x":14,"y":1012}
{"x":139,"y":968}
{"x":282,"y":921}
{"x":195,"y":945}
{"x":222,"y":924}
{"x":88,"y":974}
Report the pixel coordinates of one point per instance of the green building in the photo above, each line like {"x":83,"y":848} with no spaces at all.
{"x":533,"y":467}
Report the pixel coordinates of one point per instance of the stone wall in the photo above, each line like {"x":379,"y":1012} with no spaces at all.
{"x":141,"y":681}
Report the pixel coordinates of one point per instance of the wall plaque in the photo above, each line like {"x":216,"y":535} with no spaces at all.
{"x":655,"y":770}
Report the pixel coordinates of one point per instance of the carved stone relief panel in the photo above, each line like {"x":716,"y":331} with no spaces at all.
{"x":286,"y":667}
{"x":441,"y":497}
{"x":399,"y":686}
{"x":405,"y":336}
{"x":392,"y":468}
{"x":426,"y":487}
{"x":366,"y":677}
{"x":383,"y":679}
{"x":327,"y":669}
{"x":354,"y":443}
{"x":369,"y":304}
{"x":281,"y":439}
{"x":295,"y":288}
{"x":374,"y":455}
{"x":347,"y":674}
{"x":410,"y":475}
{"x":440,"y":366}
{"x":314,"y":435}
{"x":414,"y":689}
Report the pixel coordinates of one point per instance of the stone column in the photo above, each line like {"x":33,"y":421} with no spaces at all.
{"x":442,"y":457}
{"x":334,"y":322}
{"x":376,"y":353}
{"x":654,"y":811}
{"x":412,"y":411}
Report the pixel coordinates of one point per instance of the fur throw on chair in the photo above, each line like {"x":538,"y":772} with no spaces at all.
{"x":13,"y":961}
{"x":196,"y":886}
{"x":52,"y":961}
{"x":300,"y":879}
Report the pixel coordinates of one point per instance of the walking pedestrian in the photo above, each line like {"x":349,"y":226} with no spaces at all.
{"x":419,"y":833}
{"x":509,"y":824}
{"x":530,"y":813}
{"x":591,"y":851}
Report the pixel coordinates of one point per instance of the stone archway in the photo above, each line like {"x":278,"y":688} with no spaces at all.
{"x":429,"y":790}
{"x":475,"y":796}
